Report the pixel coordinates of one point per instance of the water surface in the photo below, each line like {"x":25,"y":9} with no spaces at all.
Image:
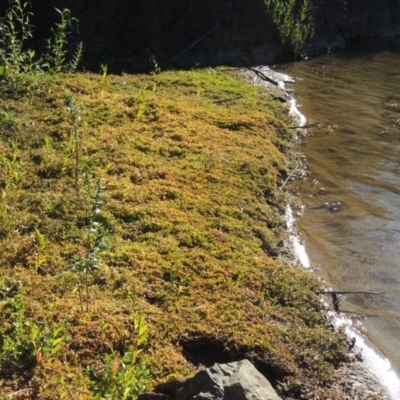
{"x":351,"y":221}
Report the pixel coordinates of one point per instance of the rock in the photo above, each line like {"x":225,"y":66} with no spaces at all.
{"x":233,"y":381}
{"x":153,"y":396}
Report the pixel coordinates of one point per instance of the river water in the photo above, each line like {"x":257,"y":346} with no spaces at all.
{"x":351,"y":218}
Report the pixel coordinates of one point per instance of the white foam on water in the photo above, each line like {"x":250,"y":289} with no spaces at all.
{"x":298,"y":248}
{"x":295,"y":113}
{"x":376,"y":362}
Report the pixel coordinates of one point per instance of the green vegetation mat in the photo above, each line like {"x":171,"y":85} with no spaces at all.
{"x":153,"y":196}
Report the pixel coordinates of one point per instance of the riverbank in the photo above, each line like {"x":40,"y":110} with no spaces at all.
{"x":155,"y":196}
{"x":350,"y":163}
{"x":356,"y":379}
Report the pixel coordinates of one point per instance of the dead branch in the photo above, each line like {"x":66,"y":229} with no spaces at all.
{"x":263,"y":76}
{"x":199,"y":40}
{"x":284,"y":183}
{"x":224,"y":101}
{"x":335,"y":299}
{"x":305,"y":126}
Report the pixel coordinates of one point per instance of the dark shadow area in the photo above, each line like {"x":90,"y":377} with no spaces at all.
{"x":204,"y":351}
{"x":178,"y":32}
{"x":127,"y":34}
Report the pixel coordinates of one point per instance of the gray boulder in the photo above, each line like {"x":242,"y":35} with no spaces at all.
{"x":234,"y":381}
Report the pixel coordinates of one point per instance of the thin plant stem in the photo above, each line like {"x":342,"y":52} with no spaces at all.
{"x":80,"y":293}
{"x":76,"y":163}
{"x":87,"y":289}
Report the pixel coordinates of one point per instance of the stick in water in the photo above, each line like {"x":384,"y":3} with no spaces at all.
{"x":284,"y":183}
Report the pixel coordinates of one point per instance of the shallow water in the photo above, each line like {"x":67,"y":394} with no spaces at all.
{"x":351,"y":220}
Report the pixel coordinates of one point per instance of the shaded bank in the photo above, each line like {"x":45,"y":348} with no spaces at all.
{"x":235,"y":32}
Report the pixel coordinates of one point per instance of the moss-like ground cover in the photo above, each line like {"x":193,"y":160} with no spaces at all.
{"x":191,"y":163}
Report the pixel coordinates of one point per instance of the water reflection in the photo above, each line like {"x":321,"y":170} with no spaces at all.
{"x":351,"y":222}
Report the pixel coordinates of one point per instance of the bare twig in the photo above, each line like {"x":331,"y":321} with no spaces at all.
{"x":305,"y":126}
{"x":224,"y":101}
{"x":199,"y":40}
{"x":346,"y":292}
{"x":263,"y":76}
{"x":286,"y":180}
{"x":335,"y":299}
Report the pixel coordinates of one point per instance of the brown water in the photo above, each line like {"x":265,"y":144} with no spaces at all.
{"x":351,"y":223}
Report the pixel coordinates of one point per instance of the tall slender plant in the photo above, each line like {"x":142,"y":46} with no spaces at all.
{"x":293,"y":21}
{"x":76,"y":121}
{"x":94,"y":235}
{"x":56,"y":46}
{"x":16,"y":29}
{"x":94,"y":242}
{"x":17,"y":62}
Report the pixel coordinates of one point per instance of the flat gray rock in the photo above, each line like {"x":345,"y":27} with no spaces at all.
{"x":233,"y":381}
